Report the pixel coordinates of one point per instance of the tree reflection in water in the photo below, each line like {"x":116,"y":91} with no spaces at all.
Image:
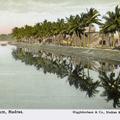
{"x":111,"y":85}
{"x":78,"y":74}
{"x":82,"y":81}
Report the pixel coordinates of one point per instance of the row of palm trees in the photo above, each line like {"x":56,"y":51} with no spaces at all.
{"x":71,"y":26}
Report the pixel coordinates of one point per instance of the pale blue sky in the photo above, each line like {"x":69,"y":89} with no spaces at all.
{"x":20,"y":12}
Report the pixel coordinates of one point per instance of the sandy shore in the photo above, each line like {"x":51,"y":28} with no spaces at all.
{"x":3,"y":42}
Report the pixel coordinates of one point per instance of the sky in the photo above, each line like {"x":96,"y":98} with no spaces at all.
{"x":21,"y":12}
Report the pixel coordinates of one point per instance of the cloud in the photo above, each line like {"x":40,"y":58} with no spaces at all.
{"x":21,"y":6}
{"x":20,"y":12}
{"x":28,"y":5}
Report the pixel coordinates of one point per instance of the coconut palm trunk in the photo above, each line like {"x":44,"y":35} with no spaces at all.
{"x":89,"y":37}
{"x":84,"y":41}
{"x":102,"y":40}
{"x":113,"y":41}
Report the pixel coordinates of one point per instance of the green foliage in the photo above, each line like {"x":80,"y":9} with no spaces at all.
{"x":112,"y":21}
{"x":71,"y":25}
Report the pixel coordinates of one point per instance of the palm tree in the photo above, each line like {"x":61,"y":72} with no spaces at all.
{"x":112,"y":23}
{"x":75,"y":26}
{"x":60,"y":28}
{"x":36,"y":32}
{"x":89,"y":18}
{"x":18,"y":33}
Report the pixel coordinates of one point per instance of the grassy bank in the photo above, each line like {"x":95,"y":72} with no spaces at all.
{"x":104,"y":54}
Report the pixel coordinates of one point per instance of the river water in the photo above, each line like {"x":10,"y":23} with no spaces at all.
{"x":47,"y":81}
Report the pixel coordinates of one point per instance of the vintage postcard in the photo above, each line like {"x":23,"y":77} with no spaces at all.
{"x":60,"y":59}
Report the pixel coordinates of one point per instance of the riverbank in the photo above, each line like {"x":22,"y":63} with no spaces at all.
{"x":4,"y":43}
{"x":103,"y":54}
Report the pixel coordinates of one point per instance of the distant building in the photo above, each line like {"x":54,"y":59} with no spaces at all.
{"x":91,"y":27}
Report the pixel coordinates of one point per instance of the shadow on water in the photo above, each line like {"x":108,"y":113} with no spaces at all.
{"x":78,"y":72}
{"x":111,"y":85}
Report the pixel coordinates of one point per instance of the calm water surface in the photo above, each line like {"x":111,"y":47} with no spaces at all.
{"x":45,"y":80}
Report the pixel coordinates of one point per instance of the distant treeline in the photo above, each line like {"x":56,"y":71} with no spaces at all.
{"x":6,"y":37}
